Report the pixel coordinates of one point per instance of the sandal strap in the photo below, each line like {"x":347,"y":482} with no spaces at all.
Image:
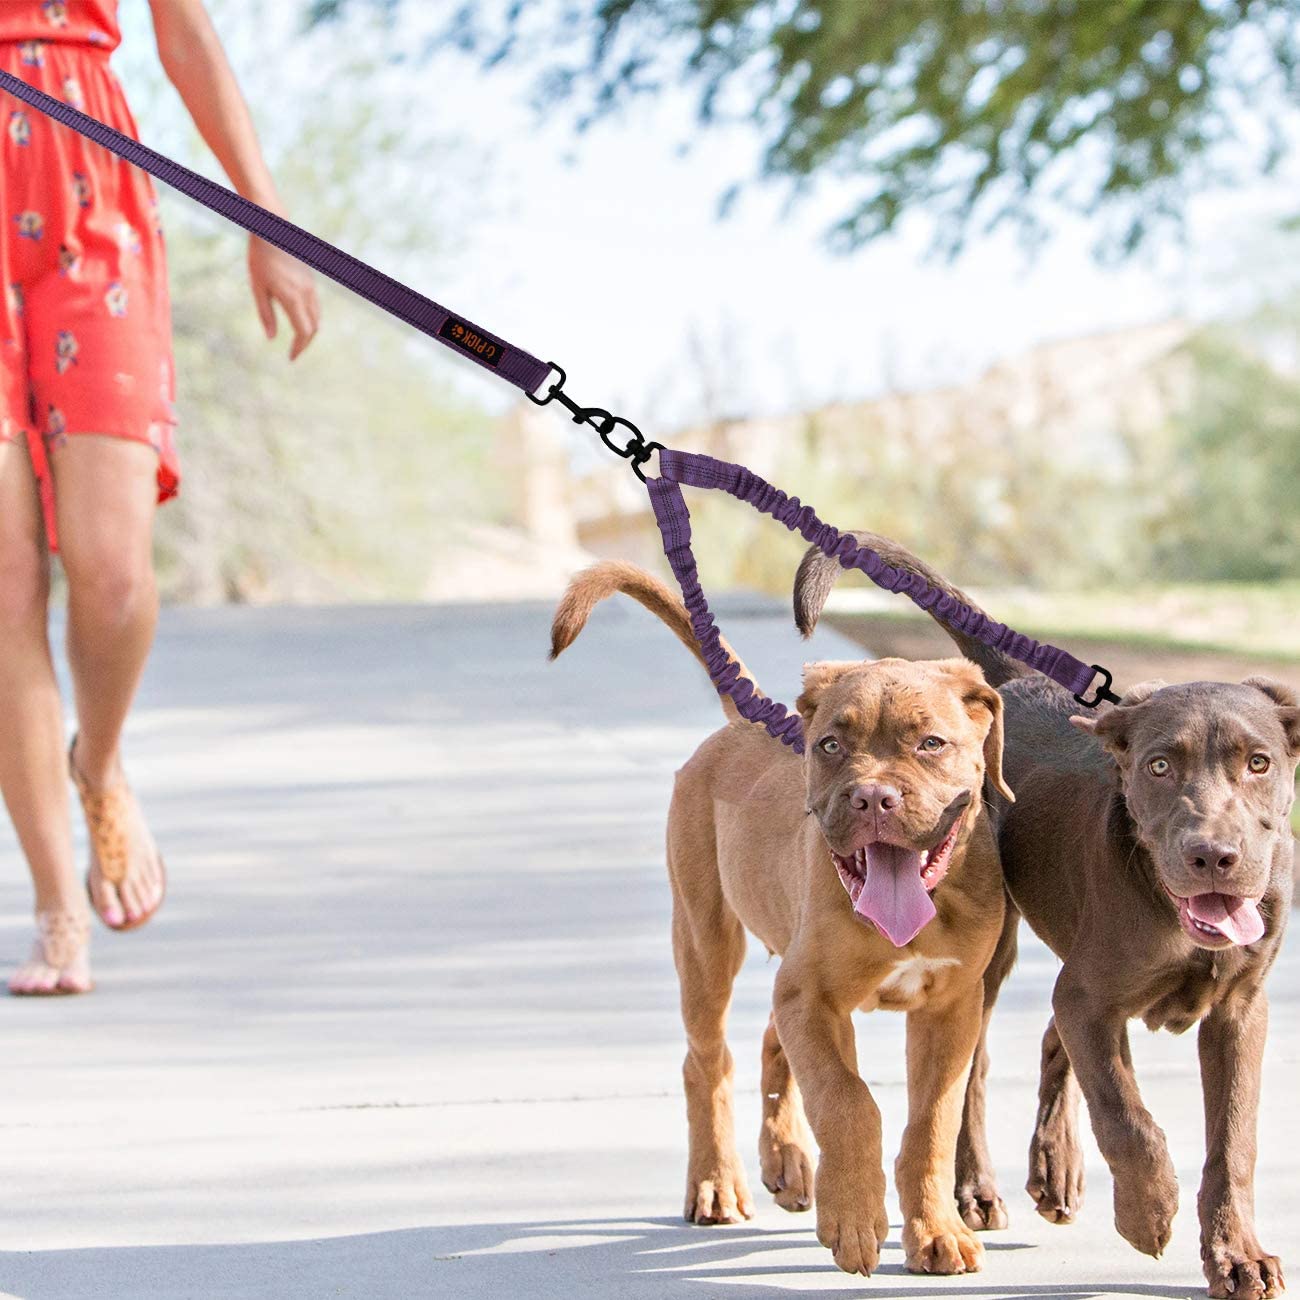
{"x":108,"y":820}
{"x":63,"y":936}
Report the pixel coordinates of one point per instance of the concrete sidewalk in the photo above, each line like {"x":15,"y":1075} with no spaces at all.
{"x":407,"y":1026}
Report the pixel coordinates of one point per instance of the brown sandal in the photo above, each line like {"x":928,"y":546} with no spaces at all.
{"x":62,"y":939}
{"x":109,"y":814}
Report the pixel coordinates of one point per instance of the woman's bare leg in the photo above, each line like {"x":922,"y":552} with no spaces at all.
{"x":33,"y":775}
{"x":106,"y":495}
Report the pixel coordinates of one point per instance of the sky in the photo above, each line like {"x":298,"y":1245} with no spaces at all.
{"x":605,"y":252}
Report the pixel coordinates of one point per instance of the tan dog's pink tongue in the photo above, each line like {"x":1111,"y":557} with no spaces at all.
{"x":1235,"y":918}
{"x":895,"y":897}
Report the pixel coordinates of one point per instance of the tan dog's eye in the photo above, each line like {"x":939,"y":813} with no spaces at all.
{"x":1259,"y":764}
{"x":1158,"y":767}
{"x":932,"y":744}
{"x":829,"y":745}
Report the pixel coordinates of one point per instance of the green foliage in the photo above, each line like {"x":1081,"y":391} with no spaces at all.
{"x":1234,"y":484}
{"x":974,"y":113}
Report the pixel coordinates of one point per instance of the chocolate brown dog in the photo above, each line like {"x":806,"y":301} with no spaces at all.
{"x":1150,"y":848}
{"x":869,"y":866}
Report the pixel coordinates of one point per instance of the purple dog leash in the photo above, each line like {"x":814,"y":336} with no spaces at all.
{"x":528,"y":373}
{"x":673,"y":518}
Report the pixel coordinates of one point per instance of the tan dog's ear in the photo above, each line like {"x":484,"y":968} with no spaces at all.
{"x":984,"y":696}
{"x":816,"y":678}
{"x":1286,"y":700}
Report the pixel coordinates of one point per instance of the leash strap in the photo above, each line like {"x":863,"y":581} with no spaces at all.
{"x":673,"y":518}
{"x":622,"y":437}
{"x":455,"y":332}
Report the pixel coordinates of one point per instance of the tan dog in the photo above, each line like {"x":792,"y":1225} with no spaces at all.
{"x":879,"y":830}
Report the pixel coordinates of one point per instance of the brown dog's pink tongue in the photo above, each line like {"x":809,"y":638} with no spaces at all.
{"x":1235,"y":918}
{"x":895,"y":897}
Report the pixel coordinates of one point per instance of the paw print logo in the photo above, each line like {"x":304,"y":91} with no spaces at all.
{"x":115,"y":299}
{"x":32,"y":53}
{"x":20,"y":129}
{"x":81,"y":190}
{"x":72,"y":93}
{"x":128,"y":238}
{"x":69,"y":261}
{"x":31,"y":225}
{"x":65,"y":351}
{"x":14,"y":298}
{"x":56,"y":12}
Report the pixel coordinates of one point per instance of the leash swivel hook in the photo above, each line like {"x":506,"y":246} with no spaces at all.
{"x":636,"y":449}
{"x":1102,"y":690}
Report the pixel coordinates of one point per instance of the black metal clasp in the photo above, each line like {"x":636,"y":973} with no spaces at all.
{"x":1102,"y":690}
{"x":635,"y":449}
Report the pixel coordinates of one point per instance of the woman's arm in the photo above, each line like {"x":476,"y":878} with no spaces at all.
{"x":196,"y":65}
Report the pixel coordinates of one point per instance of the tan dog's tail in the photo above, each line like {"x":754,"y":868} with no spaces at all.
{"x":591,"y":586}
{"x":817,"y":575}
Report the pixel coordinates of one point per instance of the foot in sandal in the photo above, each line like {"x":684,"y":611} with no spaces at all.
{"x":127,"y":878}
{"x":60,"y":960}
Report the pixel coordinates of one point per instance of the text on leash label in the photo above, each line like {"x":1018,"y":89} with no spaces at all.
{"x":467,"y":337}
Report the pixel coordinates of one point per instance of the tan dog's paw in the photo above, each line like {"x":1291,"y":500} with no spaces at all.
{"x":1056,"y":1179}
{"x":1146,"y":1201}
{"x":943,"y":1248}
{"x":787,"y":1172}
{"x":1243,"y":1271}
{"x":719,"y":1196}
{"x":851,"y":1221}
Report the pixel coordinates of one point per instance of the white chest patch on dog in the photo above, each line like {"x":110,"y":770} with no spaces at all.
{"x":910,"y":978}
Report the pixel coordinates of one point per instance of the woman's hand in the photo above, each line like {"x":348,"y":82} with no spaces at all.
{"x":279,"y":278}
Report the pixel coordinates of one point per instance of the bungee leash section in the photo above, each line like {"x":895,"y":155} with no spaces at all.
{"x":623,"y":438}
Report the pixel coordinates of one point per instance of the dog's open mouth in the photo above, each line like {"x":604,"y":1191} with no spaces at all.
{"x":1219,"y":920}
{"x":890,"y":885}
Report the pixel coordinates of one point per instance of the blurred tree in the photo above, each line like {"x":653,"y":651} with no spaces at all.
{"x":975,"y":113}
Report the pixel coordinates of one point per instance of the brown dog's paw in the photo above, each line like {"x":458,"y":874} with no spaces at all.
{"x":1056,"y":1179}
{"x":944,"y":1248}
{"x":720,"y":1196}
{"x":788,"y":1175}
{"x":979,"y":1205}
{"x":1242,"y":1271}
{"x":1145,"y":1205}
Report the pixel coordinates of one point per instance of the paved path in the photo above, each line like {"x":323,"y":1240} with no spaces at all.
{"x":407,"y":1026}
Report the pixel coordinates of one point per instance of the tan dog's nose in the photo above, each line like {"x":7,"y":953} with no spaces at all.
{"x":1209,"y":855}
{"x":875,"y":798}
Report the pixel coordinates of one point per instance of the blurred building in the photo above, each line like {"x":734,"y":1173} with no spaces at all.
{"x":1082,"y":397}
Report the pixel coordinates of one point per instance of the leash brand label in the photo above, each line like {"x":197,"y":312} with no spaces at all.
{"x":467,"y":337}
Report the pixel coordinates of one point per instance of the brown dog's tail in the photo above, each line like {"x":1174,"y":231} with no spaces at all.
{"x":817,"y":575}
{"x":591,"y":586}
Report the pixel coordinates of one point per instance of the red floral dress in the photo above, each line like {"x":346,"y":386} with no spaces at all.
{"x":85,"y":329}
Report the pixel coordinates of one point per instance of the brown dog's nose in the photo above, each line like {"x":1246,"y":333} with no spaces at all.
{"x":875,"y":798}
{"x":1209,"y":855}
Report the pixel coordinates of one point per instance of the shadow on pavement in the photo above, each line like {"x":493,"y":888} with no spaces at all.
{"x":625,"y":1259}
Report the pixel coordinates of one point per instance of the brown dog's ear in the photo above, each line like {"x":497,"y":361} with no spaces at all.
{"x":1287,"y":711}
{"x":1112,"y":727}
{"x":816,"y":678}
{"x":983,"y":696}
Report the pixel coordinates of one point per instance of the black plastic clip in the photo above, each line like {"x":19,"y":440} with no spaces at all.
{"x":636,"y":449}
{"x":1102,"y":692}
